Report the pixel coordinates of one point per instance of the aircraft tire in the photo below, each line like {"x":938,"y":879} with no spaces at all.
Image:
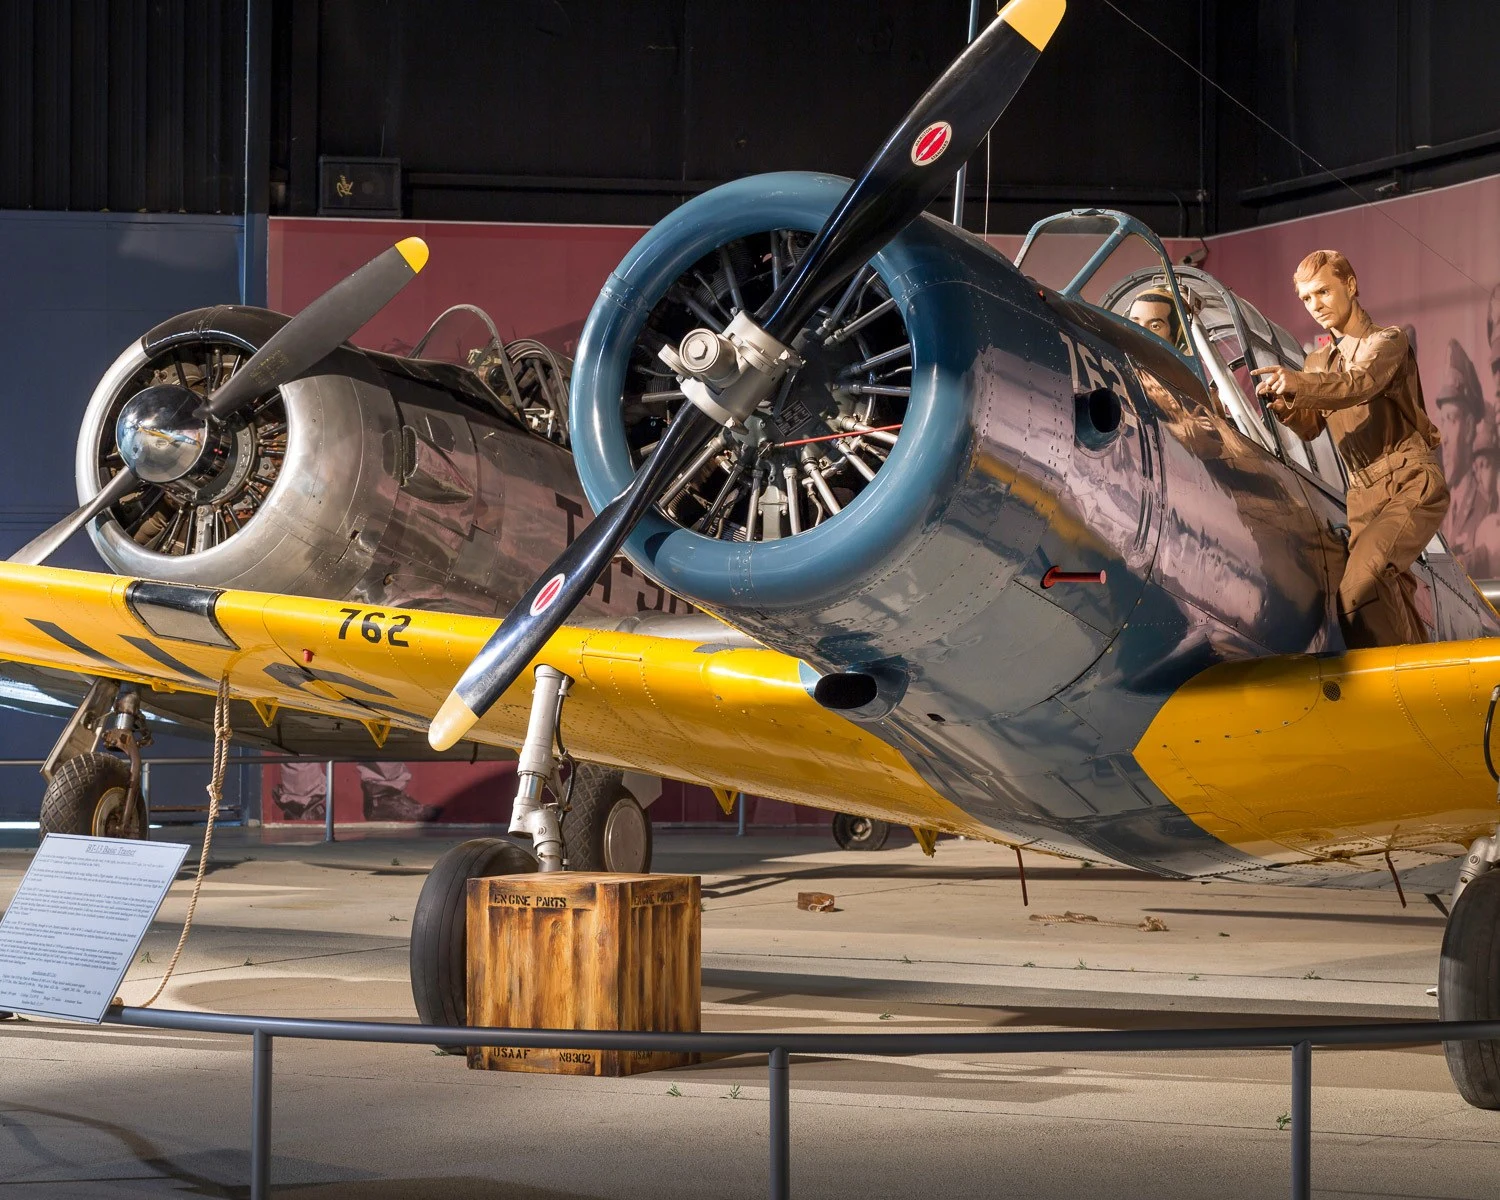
{"x":859,"y":833}
{"x":1469,"y":988}
{"x":86,"y":795}
{"x":605,"y":827}
{"x":440,"y":929}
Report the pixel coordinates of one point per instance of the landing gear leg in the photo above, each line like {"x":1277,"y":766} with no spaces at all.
{"x":91,"y":793}
{"x":1469,"y":973}
{"x":531,"y":816}
{"x":439,"y":926}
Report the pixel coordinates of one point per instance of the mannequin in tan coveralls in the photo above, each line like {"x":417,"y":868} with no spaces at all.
{"x":1364,"y":388}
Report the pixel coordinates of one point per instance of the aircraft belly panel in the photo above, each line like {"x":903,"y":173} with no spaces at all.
{"x":1044,"y":780}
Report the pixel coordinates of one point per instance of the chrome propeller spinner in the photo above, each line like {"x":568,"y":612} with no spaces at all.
{"x":163,"y":439}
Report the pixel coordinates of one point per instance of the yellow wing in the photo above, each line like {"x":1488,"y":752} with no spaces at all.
{"x":724,"y":717}
{"x":1302,"y":757}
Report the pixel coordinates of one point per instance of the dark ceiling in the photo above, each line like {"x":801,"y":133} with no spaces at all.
{"x":560,"y":110}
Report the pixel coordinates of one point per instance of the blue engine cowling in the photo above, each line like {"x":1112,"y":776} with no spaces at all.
{"x":946,"y":547}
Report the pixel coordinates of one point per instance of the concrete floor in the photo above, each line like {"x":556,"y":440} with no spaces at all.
{"x":317,"y":930}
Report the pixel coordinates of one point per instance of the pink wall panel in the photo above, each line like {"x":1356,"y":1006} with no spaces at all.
{"x":535,"y":280}
{"x":481,"y":793}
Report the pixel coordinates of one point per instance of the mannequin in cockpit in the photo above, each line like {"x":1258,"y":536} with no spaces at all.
{"x":1155,"y":311}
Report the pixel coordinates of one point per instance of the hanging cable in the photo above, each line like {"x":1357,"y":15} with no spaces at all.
{"x":1489,"y":720}
{"x":986,"y":217}
{"x":986,"y":187}
{"x":222,"y":733}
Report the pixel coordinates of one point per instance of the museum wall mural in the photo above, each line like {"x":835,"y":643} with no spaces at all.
{"x":459,"y":793}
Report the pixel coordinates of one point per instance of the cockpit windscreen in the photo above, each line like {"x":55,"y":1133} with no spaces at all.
{"x":1086,"y":256}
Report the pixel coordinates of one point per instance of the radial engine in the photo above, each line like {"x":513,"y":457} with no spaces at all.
{"x":411,"y":481}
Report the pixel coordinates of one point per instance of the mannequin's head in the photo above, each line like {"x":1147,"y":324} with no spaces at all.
{"x":1327,"y":287}
{"x":1155,"y":310}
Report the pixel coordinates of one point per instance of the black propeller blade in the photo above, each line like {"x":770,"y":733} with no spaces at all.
{"x":45,"y":545}
{"x":319,"y":329}
{"x":948,"y":123}
{"x":954,"y":114}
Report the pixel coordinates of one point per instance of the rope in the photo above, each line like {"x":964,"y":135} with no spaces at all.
{"x":222,"y":733}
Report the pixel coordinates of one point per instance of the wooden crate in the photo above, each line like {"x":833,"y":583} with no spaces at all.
{"x":576,"y":950}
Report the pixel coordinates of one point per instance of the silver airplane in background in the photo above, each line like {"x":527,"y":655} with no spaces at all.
{"x":440,"y":479}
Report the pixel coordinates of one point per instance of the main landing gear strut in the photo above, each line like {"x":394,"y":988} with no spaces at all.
{"x":92,"y":793}
{"x":566,"y":815}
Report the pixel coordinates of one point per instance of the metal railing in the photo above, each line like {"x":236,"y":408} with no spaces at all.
{"x":779,"y":1047}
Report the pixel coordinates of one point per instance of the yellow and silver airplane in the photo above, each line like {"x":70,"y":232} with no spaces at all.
{"x":437,"y":479}
{"x":989,"y":559}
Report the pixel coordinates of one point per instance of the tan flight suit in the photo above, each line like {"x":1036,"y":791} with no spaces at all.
{"x":1365,"y":389}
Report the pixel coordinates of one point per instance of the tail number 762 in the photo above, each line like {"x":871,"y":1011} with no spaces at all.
{"x":370,"y":627}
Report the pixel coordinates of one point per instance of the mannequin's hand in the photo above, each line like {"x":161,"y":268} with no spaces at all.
{"x":1281,"y":408}
{"x":1277,"y":381}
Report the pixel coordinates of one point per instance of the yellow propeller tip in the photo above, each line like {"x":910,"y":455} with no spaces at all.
{"x":453,"y":720}
{"x":1034,"y":20}
{"x":414,"y":250}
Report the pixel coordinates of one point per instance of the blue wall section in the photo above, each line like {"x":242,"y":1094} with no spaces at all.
{"x":75,"y":290}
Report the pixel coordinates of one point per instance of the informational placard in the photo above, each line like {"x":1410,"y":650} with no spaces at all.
{"x":81,"y":911}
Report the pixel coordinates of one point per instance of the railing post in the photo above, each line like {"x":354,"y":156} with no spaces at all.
{"x":781,"y":1127}
{"x":260,"y":1115}
{"x":1302,"y":1121}
{"x":328,"y":802}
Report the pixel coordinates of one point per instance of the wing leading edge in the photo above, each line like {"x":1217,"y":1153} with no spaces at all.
{"x":723,"y":716}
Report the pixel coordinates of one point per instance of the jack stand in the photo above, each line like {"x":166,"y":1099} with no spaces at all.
{"x":125,"y":729}
{"x":1483,"y":855}
{"x":538,"y":767}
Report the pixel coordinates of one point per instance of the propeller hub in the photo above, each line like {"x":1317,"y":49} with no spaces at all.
{"x":163,"y":440}
{"x":709,"y":356}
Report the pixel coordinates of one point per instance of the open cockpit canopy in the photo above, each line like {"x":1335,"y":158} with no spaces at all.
{"x":1111,"y":261}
